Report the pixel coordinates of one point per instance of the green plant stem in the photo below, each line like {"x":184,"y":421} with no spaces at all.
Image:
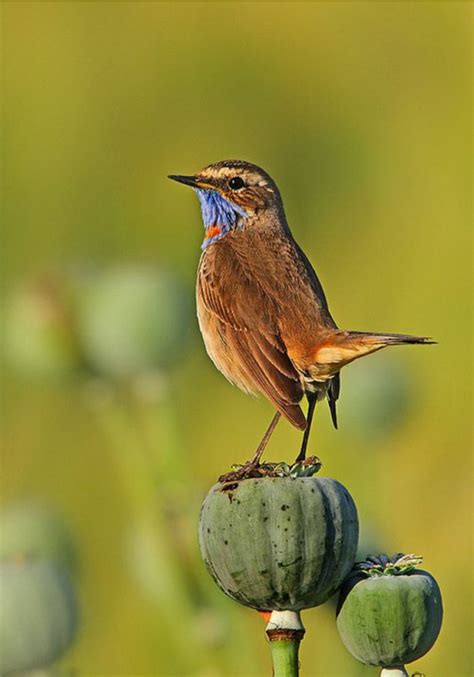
{"x":115,"y":417}
{"x":396,"y":671}
{"x":285,"y":657}
{"x":285,"y":632}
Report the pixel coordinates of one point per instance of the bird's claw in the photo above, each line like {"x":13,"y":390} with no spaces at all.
{"x":244,"y":472}
{"x":252,"y":470}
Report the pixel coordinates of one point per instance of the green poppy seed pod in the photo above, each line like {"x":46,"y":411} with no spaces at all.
{"x":31,"y":530}
{"x":40,"y":332}
{"x":38,"y":616}
{"x":279,"y":543}
{"x":133,"y":320}
{"x":389,"y":611}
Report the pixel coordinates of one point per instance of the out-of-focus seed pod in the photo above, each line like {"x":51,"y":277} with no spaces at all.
{"x":133,"y":319}
{"x":377,"y":396}
{"x":40,"y":331}
{"x":38,"y":614}
{"x":29,"y":530}
{"x":389,"y":611}
{"x":279,"y":543}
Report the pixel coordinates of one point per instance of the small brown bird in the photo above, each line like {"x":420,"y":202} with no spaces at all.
{"x":262,"y":311}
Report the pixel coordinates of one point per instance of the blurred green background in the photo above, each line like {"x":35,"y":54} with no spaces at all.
{"x":361,"y":113}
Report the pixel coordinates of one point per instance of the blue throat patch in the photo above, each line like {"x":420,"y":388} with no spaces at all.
{"x":217,"y":211}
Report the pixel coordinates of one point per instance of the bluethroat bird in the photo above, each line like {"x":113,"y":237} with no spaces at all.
{"x":262,"y":311}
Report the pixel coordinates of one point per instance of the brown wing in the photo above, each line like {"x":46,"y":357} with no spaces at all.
{"x":240,"y":329}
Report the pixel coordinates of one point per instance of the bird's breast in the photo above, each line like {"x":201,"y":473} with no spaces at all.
{"x":216,"y":341}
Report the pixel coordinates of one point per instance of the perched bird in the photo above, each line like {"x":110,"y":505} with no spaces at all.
{"x":262,"y":311}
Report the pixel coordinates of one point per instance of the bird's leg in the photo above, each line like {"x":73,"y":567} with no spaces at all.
{"x":268,"y":433}
{"x":249,"y":468}
{"x":312,"y":399}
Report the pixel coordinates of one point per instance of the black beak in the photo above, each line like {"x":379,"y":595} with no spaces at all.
{"x":187,"y":180}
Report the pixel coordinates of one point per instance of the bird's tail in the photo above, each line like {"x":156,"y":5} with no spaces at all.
{"x":380,"y":340}
{"x":342,"y":347}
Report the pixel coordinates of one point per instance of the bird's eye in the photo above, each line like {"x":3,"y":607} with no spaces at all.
{"x":236,"y":182}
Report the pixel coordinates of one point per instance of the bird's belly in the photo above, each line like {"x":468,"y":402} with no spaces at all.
{"x":214,"y":336}
{"x":310,"y":385}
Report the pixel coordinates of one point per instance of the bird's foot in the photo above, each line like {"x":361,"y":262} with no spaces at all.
{"x":250,"y":470}
{"x":244,"y":472}
{"x":306,"y":467}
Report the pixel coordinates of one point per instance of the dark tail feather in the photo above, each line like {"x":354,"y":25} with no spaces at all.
{"x":333,"y":396}
{"x":383,"y":339}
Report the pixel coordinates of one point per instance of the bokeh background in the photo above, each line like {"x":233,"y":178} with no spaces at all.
{"x":361,"y":113}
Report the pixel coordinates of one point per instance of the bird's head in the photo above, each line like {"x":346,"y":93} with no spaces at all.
{"x":231,"y":193}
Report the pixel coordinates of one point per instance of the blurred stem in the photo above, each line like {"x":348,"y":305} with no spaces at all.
{"x":113,"y":419}
{"x":397,"y":671}
{"x":285,"y":632}
{"x":161,"y":425}
{"x":147,"y":497}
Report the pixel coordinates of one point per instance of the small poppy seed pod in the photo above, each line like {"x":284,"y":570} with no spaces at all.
{"x":132,"y":320}
{"x":389,"y":612}
{"x":279,"y":543}
{"x":38,"y":617}
{"x":31,"y":530}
